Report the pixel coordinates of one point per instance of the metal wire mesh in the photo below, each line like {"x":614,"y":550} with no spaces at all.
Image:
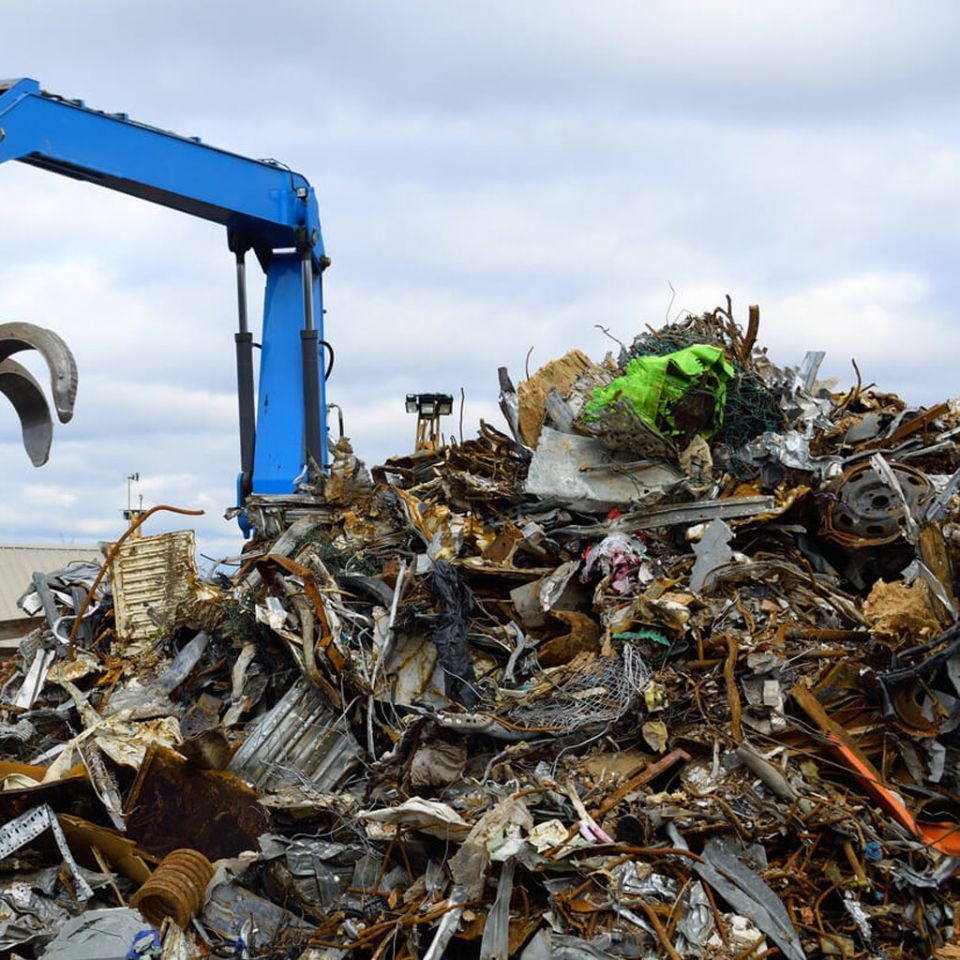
{"x":750,"y":410}
{"x":599,"y":691}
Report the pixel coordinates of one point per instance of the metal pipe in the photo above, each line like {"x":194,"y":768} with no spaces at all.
{"x":242,"y":291}
{"x":306,"y":269}
{"x":310,"y":347}
{"x":337,"y":407}
{"x":245,"y":399}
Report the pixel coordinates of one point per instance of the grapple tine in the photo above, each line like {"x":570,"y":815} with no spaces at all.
{"x":23,"y":391}
{"x":15,"y":337}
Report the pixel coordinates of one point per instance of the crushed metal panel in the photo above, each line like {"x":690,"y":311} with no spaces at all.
{"x":151,"y":577}
{"x":580,"y":471}
{"x":302,"y":738}
{"x":271,"y":514}
{"x":412,"y":673}
{"x":233,"y":912}
{"x":174,"y":805}
{"x":105,"y":934}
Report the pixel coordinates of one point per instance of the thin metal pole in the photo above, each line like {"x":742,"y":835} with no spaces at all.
{"x":245,"y":400}
{"x":306,"y":271}
{"x":242,"y":292}
{"x":310,"y":345}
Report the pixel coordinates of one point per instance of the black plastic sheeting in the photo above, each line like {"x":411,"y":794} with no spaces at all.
{"x":450,"y":632}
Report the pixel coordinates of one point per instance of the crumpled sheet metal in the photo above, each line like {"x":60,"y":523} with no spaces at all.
{"x":237,"y":914}
{"x":100,"y":935}
{"x":443,"y":530}
{"x":27,"y":915}
{"x":550,"y":945}
{"x":125,"y":742}
{"x":791,"y":450}
{"x":426,"y":816}
{"x":411,"y":673}
{"x":173,"y":805}
{"x":746,"y":893}
{"x":582,"y":473}
{"x":301,"y":740}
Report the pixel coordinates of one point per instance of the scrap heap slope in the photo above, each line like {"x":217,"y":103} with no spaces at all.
{"x":667,"y":667}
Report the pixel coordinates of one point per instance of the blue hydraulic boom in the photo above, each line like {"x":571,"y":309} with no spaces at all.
{"x":265,"y":207}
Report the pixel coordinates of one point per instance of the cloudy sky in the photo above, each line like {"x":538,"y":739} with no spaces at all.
{"x":492,"y":177}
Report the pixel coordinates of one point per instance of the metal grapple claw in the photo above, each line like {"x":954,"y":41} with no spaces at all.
{"x":15,"y":337}
{"x":25,"y":393}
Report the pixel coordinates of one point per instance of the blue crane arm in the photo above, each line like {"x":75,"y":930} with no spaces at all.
{"x":264,"y":206}
{"x":260,"y":202}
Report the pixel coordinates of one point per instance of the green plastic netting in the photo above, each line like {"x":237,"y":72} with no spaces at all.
{"x":750,"y":408}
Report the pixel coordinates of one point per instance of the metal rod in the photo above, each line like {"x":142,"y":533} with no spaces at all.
{"x":245,"y":398}
{"x":337,"y":407}
{"x":306,"y":267}
{"x":242,"y":291}
{"x":310,"y":346}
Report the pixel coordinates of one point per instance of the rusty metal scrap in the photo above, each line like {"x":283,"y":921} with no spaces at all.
{"x":865,"y":509}
{"x":174,"y":804}
{"x":151,"y":577}
{"x":176,"y":889}
{"x":565,"y":690}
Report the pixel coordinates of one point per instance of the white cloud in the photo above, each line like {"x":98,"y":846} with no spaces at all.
{"x":47,"y":495}
{"x":491,"y":177}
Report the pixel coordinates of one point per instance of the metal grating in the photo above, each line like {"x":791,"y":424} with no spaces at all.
{"x":151,"y":577}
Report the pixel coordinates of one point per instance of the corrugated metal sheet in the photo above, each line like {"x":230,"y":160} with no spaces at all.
{"x":151,"y":576}
{"x":303,"y":738}
{"x":19,"y":561}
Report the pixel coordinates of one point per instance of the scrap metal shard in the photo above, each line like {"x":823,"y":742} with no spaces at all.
{"x":174,"y":805}
{"x":152,"y":577}
{"x":582,"y":473}
{"x":302,"y":740}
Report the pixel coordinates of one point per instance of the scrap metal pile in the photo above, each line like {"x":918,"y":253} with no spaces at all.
{"x":669,"y":669}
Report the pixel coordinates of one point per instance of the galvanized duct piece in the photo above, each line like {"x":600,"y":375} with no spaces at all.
{"x":302,"y":740}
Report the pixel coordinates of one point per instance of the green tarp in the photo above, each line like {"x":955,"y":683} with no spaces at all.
{"x":655,"y":384}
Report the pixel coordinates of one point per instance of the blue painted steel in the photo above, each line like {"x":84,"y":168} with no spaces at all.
{"x":271,"y":206}
{"x":264,"y":207}
{"x":279,"y":455}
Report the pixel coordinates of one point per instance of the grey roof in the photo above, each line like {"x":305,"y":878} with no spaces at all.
{"x":19,"y":561}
